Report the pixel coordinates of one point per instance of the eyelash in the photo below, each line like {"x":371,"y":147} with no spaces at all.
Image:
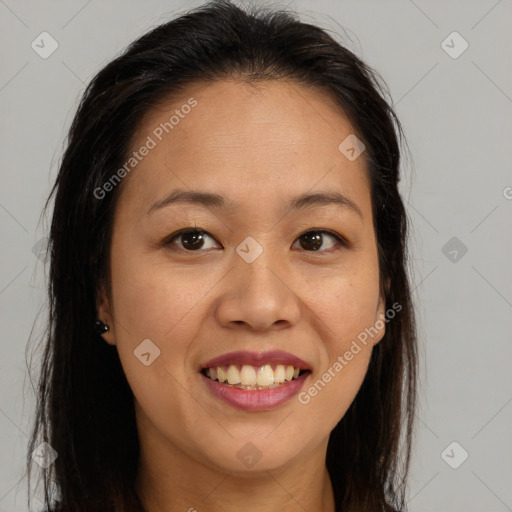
{"x":168,"y":242}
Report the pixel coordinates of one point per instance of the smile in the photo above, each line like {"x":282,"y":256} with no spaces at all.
{"x":255,"y":381}
{"x":254,"y":378}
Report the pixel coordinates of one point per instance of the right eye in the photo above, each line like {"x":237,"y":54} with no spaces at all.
{"x":191,"y":240}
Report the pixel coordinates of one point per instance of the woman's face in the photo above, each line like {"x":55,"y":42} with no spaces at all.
{"x":253,"y":283}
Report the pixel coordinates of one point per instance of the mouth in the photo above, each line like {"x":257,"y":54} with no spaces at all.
{"x":255,"y":381}
{"x":255,"y":371}
{"x":254,"y":378}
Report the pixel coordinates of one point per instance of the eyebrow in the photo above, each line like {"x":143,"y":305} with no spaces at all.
{"x":218,"y":202}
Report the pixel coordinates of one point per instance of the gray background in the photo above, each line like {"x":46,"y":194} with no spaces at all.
{"x":456,"y":113}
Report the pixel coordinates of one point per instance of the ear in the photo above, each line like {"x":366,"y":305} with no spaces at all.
{"x":105,"y":315}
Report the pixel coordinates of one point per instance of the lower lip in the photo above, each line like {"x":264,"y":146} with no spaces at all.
{"x":256,"y":400}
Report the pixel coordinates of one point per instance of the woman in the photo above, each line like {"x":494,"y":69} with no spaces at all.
{"x":231,"y":325}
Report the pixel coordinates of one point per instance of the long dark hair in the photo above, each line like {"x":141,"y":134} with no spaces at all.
{"x":85,"y":406}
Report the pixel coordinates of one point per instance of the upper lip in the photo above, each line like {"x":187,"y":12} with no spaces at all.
{"x":257,"y":359}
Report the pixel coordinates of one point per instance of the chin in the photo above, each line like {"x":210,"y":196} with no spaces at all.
{"x":247,"y":456}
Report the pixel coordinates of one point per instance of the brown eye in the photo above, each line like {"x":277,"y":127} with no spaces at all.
{"x":191,"y":240}
{"x":314,"y":239}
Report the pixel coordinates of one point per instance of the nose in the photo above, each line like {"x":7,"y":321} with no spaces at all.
{"x":259,"y":294}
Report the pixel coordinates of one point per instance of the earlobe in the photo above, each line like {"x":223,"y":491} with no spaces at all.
{"x":108,"y":339}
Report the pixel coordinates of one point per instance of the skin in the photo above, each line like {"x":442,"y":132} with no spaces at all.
{"x":258,"y":145}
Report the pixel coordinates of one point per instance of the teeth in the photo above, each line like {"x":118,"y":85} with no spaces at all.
{"x":221,"y":374}
{"x":233,"y":375}
{"x":247,"y":375}
{"x":250,"y":377}
{"x":265,"y":376}
{"x":279,"y":373}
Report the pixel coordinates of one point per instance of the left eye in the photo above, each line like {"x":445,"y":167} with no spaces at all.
{"x":193,"y":240}
{"x":315,"y":239}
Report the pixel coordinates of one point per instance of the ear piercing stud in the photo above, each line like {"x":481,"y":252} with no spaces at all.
{"x":101,"y":327}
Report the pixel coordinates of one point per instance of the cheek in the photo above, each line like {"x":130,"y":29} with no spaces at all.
{"x":153,"y":300}
{"x":347,"y":309}
{"x":166,"y":306}
{"x":155,"y":303}
{"x":332,"y":391}
{"x":347,"y":305}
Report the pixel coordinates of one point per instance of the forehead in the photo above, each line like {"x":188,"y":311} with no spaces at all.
{"x":254,"y":143}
